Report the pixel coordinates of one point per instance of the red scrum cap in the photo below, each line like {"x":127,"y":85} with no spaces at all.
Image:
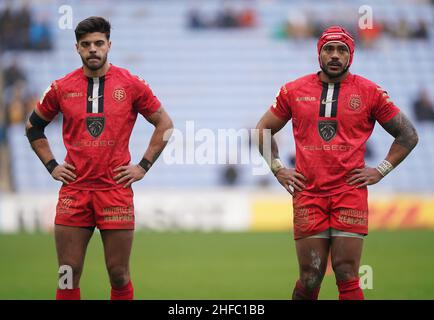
{"x":337,"y":34}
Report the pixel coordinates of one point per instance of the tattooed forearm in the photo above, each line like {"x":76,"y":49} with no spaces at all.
{"x":402,"y":130}
{"x":405,"y":138}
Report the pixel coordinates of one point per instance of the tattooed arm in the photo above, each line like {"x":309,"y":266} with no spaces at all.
{"x":163,"y":130}
{"x":405,"y":136}
{"x":406,"y":139}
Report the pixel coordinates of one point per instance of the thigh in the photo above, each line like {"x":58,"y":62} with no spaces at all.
{"x":114,"y":209}
{"x":349,"y":211}
{"x":310,"y":215}
{"x":312,"y":253}
{"x":71,"y":244}
{"x":117,"y":247}
{"x":346,"y":253}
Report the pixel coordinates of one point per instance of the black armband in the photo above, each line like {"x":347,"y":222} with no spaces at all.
{"x":145,"y":164}
{"x":38,"y":126}
{"x":50,"y":165}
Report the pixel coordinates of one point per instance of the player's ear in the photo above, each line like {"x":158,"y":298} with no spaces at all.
{"x":109,"y":45}
{"x":76,"y":46}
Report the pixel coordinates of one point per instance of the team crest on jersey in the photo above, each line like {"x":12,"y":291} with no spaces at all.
{"x":355,"y":102}
{"x":119,"y":94}
{"x":327,"y":129}
{"x":95,"y":125}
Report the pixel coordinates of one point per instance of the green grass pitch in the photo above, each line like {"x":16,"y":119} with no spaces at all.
{"x":183,"y":265}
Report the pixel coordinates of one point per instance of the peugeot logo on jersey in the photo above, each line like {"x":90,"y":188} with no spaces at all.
{"x":95,"y":125}
{"x":327,"y":129}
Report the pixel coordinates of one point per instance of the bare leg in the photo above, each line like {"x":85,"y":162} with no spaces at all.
{"x":346,"y":253}
{"x":71,"y":245}
{"x":312,"y":256}
{"x":117,"y":249}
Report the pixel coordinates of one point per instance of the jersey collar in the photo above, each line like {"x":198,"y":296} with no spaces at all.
{"x":345,"y":81}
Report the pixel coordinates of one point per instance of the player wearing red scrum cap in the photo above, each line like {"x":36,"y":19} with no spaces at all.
{"x":333,"y":114}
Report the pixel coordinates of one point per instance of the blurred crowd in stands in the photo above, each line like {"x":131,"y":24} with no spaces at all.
{"x":227,"y":17}
{"x":302,"y":27}
{"x":20,"y":29}
{"x":423,"y":107}
{"x":18,"y":99}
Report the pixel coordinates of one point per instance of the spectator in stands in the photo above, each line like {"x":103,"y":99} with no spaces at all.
{"x":369,"y":36}
{"x":12,"y":75}
{"x":230,"y":175}
{"x":298,"y":26}
{"x":19,"y":30}
{"x":16,"y":107}
{"x":402,"y":30}
{"x":227,"y":18}
{"x":7,"y":38}
{"x":39,"y":34}
{"x":246,"y":18}
{"x":23,"y":20}
{"x":421,"y":31}
{"x":423,"y":107}
{"x":196,"y":19}
{"x":14,"y":84}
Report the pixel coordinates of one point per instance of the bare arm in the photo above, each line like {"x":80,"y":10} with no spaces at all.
{"x":405,"y":136}
{"x":406,"y":139}
{"x":267,"y":127}
{"x":162,"y":132}
{"x":41,"y":147}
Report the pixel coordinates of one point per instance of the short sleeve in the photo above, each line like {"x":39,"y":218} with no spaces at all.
{"x":383,"y":109}
{"x":49,"y":105}
{"x":281,"y":108}
{"x":145,"y":102}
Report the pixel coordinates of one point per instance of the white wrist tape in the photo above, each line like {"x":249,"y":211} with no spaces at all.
{"x":384,"y":167}
{"x":276,"y":165}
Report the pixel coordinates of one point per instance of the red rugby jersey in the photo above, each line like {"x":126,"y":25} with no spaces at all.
{"x":331,"y":124}
{"x":98,"y":118}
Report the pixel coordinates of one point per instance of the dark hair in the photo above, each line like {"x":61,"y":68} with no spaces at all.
{"x":92,"y":24}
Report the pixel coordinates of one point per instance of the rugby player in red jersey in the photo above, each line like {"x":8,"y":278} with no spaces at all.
{"x":100,"y":103}
{"x":333,"y":113}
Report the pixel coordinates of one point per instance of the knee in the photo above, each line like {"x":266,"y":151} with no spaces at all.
{"x":345,"y":269}
{"x":119,"y":275}
{"x":311,"y":278}
{"x":70,"y":272}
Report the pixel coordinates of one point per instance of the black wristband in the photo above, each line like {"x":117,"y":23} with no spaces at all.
{"x":50,"y":165}
{"x":145,"y":164}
